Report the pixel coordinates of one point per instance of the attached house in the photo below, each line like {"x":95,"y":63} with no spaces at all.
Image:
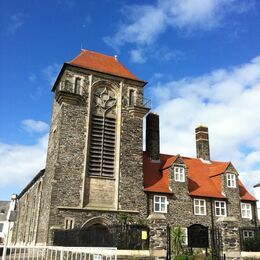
{"x":198,"y":190}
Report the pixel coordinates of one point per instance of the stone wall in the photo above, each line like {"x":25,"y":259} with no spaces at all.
{"x":26,"y":225}
{"x":68,"y":192}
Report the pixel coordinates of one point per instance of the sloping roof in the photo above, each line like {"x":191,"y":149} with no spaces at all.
{"x":244,"y":194}
{"x":102,"y":63}
{"x":30,"y":184}
{"x":204,"y":179}
{"x":154,"y":180}
{"x":4,"y":207}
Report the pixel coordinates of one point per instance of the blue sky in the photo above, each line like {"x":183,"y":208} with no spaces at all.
{"x":200,"y":58}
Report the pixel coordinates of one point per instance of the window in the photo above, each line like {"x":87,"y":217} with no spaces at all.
{"x":199,"y":207}
{"x":160,"y":204}
{"x":231,"y":180}
{"x":131,"y":97}
{"x":248,"y":234}
{"x":103,"y":133}
{"x":1,"y":227}
{"x":220,"y":208}
{"x":69,"y":223}
{"x":179,"y":174}
{"x":77,"y":86}
{"x":246,"y":211}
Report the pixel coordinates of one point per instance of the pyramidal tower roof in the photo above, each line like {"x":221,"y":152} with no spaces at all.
{"x":102,"y":63}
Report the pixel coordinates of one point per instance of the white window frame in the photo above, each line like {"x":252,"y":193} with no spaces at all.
{"x":248,"y":234}
{"x":185,"y":230}
{"x":220,"y":205}
{"x":179,"y":173}
{"x":231,"y":180}
{"x":201,"y":204}
{"x":246,"y":210}
{"x":161,"y":201}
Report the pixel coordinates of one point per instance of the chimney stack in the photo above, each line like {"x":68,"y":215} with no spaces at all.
{"x":202,"y":143}
{"x":153,"y":137}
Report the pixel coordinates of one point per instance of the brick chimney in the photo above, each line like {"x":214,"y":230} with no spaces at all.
{"x":153,"y":137}
{"x":202,"y":143}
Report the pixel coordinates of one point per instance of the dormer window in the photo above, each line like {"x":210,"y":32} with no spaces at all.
{"x":231,"y":180}
{"x":179,"y":174}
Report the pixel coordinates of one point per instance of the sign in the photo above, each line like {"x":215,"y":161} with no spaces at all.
{"x":144,"y":235}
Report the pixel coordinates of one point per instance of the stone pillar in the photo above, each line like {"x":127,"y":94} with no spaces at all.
{"x":230,"y":237}
{"x":153,"y":137}
{"x":202,"y":142}
{"x":158,"y":235}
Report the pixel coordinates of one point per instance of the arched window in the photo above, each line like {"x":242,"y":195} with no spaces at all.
{"x":103,"y":133}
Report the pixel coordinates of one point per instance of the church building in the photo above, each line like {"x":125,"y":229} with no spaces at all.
{"x":96,"y":169}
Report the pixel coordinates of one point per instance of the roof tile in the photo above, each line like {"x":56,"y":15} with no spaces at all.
{"x":204,"y":179}
{"x":102,"y":63}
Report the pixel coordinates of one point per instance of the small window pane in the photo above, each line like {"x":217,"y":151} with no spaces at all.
{"x":160,"y":204}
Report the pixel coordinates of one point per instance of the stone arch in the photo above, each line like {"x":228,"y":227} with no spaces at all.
{"x":96,"y":220}
{"x":95,"y":233}
{"x":107,"y":83}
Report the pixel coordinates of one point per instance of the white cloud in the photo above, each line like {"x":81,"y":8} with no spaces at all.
{"x":86,"y":21}
{"x":227,"y":101}
{"x":31,"y":125}
{"x":20,"y":163}
{"x":50,"y":72}
{"x":32,"y":77}
{"x":137,"y":56}
{"x":16,"y":22}
{"x":145,"y":23}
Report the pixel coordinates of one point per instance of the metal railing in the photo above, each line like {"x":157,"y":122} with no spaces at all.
{"x":57,"y":253}
{"x":147,"y":103}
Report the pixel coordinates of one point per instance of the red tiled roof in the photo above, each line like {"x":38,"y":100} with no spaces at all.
{"x":102,"y":63}
{"x":244,"y":194}
{"x":154,"y":180}
{"x":204,"y":179}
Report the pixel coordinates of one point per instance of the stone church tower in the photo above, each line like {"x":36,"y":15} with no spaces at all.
{"x":94,"y":167}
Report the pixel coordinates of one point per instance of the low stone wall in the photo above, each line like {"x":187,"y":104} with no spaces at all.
{"x":134,"y":255}
{"x":250,"y":255}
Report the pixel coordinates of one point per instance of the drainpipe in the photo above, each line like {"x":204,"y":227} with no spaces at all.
{"x":212,"y":227}
{"x":255,"y":216}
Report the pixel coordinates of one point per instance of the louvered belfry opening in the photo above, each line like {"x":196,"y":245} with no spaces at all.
{"x":103,"y":133}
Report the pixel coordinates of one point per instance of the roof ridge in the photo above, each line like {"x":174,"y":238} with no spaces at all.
{"x":102,"y":54}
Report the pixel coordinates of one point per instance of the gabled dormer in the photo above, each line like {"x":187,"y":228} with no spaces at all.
{"x":177,"y":172}
{"x":229,"y":180}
